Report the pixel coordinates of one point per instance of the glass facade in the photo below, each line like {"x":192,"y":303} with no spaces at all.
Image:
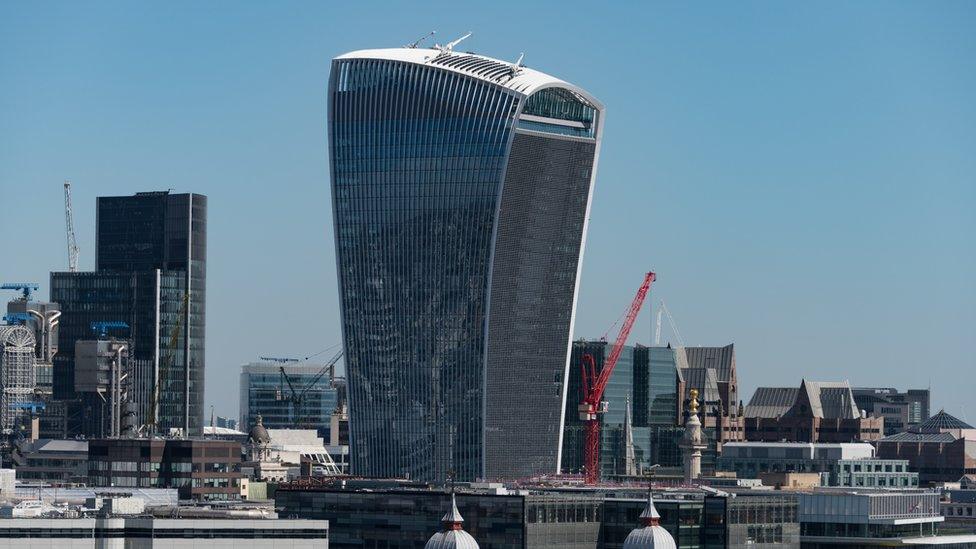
{"x":682,"y":519}
{"x":265,"y":391}
{"x":458,"y":238}
{"x":149,"y":302}
{"x":631,"y":380}
{"x":404,"y":519}
{"x":663,"y":387}
{"x":159,"y":230}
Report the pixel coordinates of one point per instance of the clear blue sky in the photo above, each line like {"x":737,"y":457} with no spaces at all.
{"x":802,"y":178}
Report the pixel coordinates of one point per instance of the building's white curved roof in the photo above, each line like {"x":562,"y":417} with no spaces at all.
{"x":649,"y":537}
{"x":451,"y":539}
{"x":503,"y":73}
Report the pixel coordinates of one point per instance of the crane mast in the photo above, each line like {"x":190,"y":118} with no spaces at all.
{"x":595,"y":384}
{"x":298,"y":395}
{"x":69,"y":226}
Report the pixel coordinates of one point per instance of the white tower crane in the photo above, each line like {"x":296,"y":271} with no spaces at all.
{"x":674,"y":327}
{"x":69,"y":225}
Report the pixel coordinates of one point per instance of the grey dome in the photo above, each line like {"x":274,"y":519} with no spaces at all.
{"x":258,"y":433}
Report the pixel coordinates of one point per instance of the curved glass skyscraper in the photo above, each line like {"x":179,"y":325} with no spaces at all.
{"x":460,"y":188}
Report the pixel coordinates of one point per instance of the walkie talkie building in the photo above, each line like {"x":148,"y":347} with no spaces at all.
{"x":461,"y":187}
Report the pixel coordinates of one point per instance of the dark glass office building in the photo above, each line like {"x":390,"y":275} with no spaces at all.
{"x":149,"y":303}
{"x":460,"y":186}
{"x":405,"y":519}
{"x":150,"y":273}
{"x":628,"y":385}
{"x":159,"y":230}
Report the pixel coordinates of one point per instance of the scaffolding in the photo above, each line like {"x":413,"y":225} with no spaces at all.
{"x":18,"y":377}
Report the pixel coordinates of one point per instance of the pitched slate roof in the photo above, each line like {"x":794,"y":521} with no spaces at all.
{"x":941,"y":421}
{"x":828,"y":400}
{"x":721,"y":359}
{"x":905,"y":436}
{"x":771,"y":402}
{"x":705,"y":381}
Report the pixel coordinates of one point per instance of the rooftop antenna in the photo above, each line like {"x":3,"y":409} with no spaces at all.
{"x":450,"y":45}
{"x":419,"y":40}
{"x":517,"y":66}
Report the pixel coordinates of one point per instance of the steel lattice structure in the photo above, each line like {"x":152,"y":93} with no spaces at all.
{"x":17,"y":374}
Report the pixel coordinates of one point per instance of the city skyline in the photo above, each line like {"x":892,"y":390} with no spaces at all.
{"x":806,"y":198}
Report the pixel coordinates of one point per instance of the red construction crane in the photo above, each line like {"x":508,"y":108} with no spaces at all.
{"x":594,"y":385}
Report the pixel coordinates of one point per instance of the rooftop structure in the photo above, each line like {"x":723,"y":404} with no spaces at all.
{"x":749,"y":459}
{"x":820,"y":412}
{"x":51,"y":460}
{"x":866,"y":518}
{"x":279,"y":454}
{"x":96,"y":532}
{"x":18,"y":377}
{"x":872,"y":473}
{"x":941,"y":422}
{"x":650,"y":535}
{"x":901,"y":410}
{"x":721,"y":361}
{"x":711,"y":371}
{"x":459,"y":231}
{"x":941,"y":449}
{"x":771,"y":402}
{"x":452,"y":535}
{"x":43,"y":319}
{"x":54,"y":494}
{"x":103,"y":376}
{"x":379,"y":513}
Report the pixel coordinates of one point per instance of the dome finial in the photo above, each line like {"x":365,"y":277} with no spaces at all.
{"x":452,"y":536}
{"x":650,"y":534}
{"x":453,"y":519}
{"x":650,"y":516}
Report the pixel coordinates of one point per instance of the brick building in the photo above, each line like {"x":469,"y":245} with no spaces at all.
{"x":941,"y":449}
{"x":711,"y":371}
{"x":199,"y":469}
{"x":816,"y":412}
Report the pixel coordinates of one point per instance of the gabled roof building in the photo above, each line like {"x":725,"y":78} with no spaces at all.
{"x":721,"y":360}
{"x":819,"y":412}
{"x":711,"y":372}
